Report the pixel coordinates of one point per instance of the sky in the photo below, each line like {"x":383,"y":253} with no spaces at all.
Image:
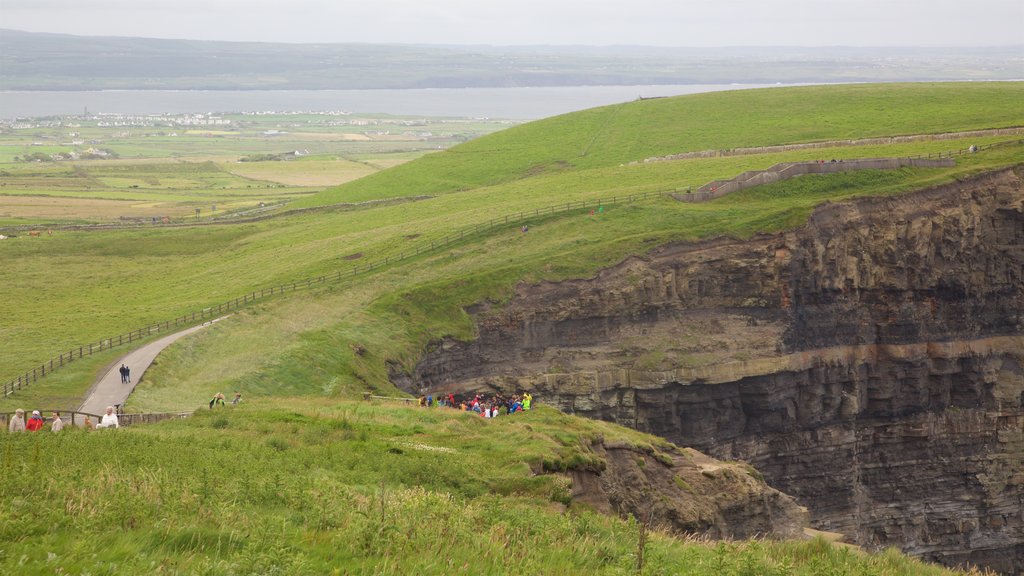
{"x":700,"y":23}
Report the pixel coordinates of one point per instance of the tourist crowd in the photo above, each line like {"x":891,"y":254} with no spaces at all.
{"x":496,"y":405}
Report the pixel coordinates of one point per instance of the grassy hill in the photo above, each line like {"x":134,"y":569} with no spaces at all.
{"x":306,"y":487}
{"x":78,"y":287}
{"x":606,"y":137}
{"x":301,"y":479}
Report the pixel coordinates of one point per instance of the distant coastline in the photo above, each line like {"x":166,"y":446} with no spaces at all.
{"x":510,"y":103}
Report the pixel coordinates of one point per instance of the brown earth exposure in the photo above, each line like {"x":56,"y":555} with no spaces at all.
{"x":869,"y":363}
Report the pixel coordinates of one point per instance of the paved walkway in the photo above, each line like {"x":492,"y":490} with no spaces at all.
{"x":108,"y":389}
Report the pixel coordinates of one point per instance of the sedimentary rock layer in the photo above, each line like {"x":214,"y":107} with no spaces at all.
{"x":869,"y":363}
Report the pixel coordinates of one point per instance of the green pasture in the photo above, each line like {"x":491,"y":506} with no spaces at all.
{"x":614,"y":135}
{"x":77,"y":287}
{"x":354,"y":488}
{"x":127,"y":279}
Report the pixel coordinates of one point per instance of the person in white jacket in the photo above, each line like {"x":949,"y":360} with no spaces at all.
{"x":109,"y":419}
{"x":58,"y":424}
{"x":17,"y":423}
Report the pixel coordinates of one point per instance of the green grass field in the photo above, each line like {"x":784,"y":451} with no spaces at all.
{"x":300,"y":479}
{"x":77,"y":287}
{"x":609,"y":136}
{"x":351,"y":488}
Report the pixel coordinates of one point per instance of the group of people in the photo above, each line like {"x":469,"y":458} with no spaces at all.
{"x":126,"y":374}
{"x":36,"y":422}
{"x":497,"y":405}
{"x":218,"y":398}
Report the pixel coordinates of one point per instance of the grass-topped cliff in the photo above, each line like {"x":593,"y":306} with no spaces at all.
{"x":77,"y":287}
{"x":301,"y":479}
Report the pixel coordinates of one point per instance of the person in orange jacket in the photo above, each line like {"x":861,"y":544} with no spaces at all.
{"x":35,"y":423}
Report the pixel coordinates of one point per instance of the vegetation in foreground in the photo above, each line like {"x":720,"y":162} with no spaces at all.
{"x":301,"y":487}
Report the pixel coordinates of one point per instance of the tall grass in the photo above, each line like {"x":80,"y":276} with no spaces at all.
{"x":305,"y":488}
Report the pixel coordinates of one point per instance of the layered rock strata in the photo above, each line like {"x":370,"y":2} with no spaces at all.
{"x":869,"y":363}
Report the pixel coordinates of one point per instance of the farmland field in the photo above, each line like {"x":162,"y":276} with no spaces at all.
{"x":131,"y":168}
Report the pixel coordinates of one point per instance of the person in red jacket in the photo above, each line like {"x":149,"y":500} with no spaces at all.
{"x":35,"y":423}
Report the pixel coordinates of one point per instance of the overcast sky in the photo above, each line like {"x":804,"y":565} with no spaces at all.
{"x":507,"y":22}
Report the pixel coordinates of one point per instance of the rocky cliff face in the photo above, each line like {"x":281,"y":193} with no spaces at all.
{"x":870,"y":363}
{"x":684,"y":491}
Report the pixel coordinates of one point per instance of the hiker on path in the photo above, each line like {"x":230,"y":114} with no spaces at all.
{"x":109,"y":419}
{"x":124,"y":373}
{"x":128,"y":375}
{"x":17,"y":423}
{"x":35,"y":423}
{"x":58,"y":424}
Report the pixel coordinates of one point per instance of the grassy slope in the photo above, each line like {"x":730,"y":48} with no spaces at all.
{"x":611,"y":135}
{"x":128,"y":279}
{"x":347,"y":488}
{"x":78,"y":287}
{"x":320,"y":485}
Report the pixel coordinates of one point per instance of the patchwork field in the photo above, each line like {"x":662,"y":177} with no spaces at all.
{"x":141,"y":168}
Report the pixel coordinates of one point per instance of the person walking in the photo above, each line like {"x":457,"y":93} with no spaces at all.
{"x":17,"y":423}
{"x":35,"y":423}
{"x":124,"y":376}
{"x":127,"y":375}
{"x":58,"y":424}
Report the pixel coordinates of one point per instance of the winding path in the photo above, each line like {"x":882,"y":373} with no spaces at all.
{"x":108,"y":389}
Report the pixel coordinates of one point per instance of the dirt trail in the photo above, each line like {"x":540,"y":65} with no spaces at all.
{"x":108,"y":390}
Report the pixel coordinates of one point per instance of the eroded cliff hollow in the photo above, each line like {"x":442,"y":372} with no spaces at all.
{"x":869,"y":363}
{"x":684,"y":491}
